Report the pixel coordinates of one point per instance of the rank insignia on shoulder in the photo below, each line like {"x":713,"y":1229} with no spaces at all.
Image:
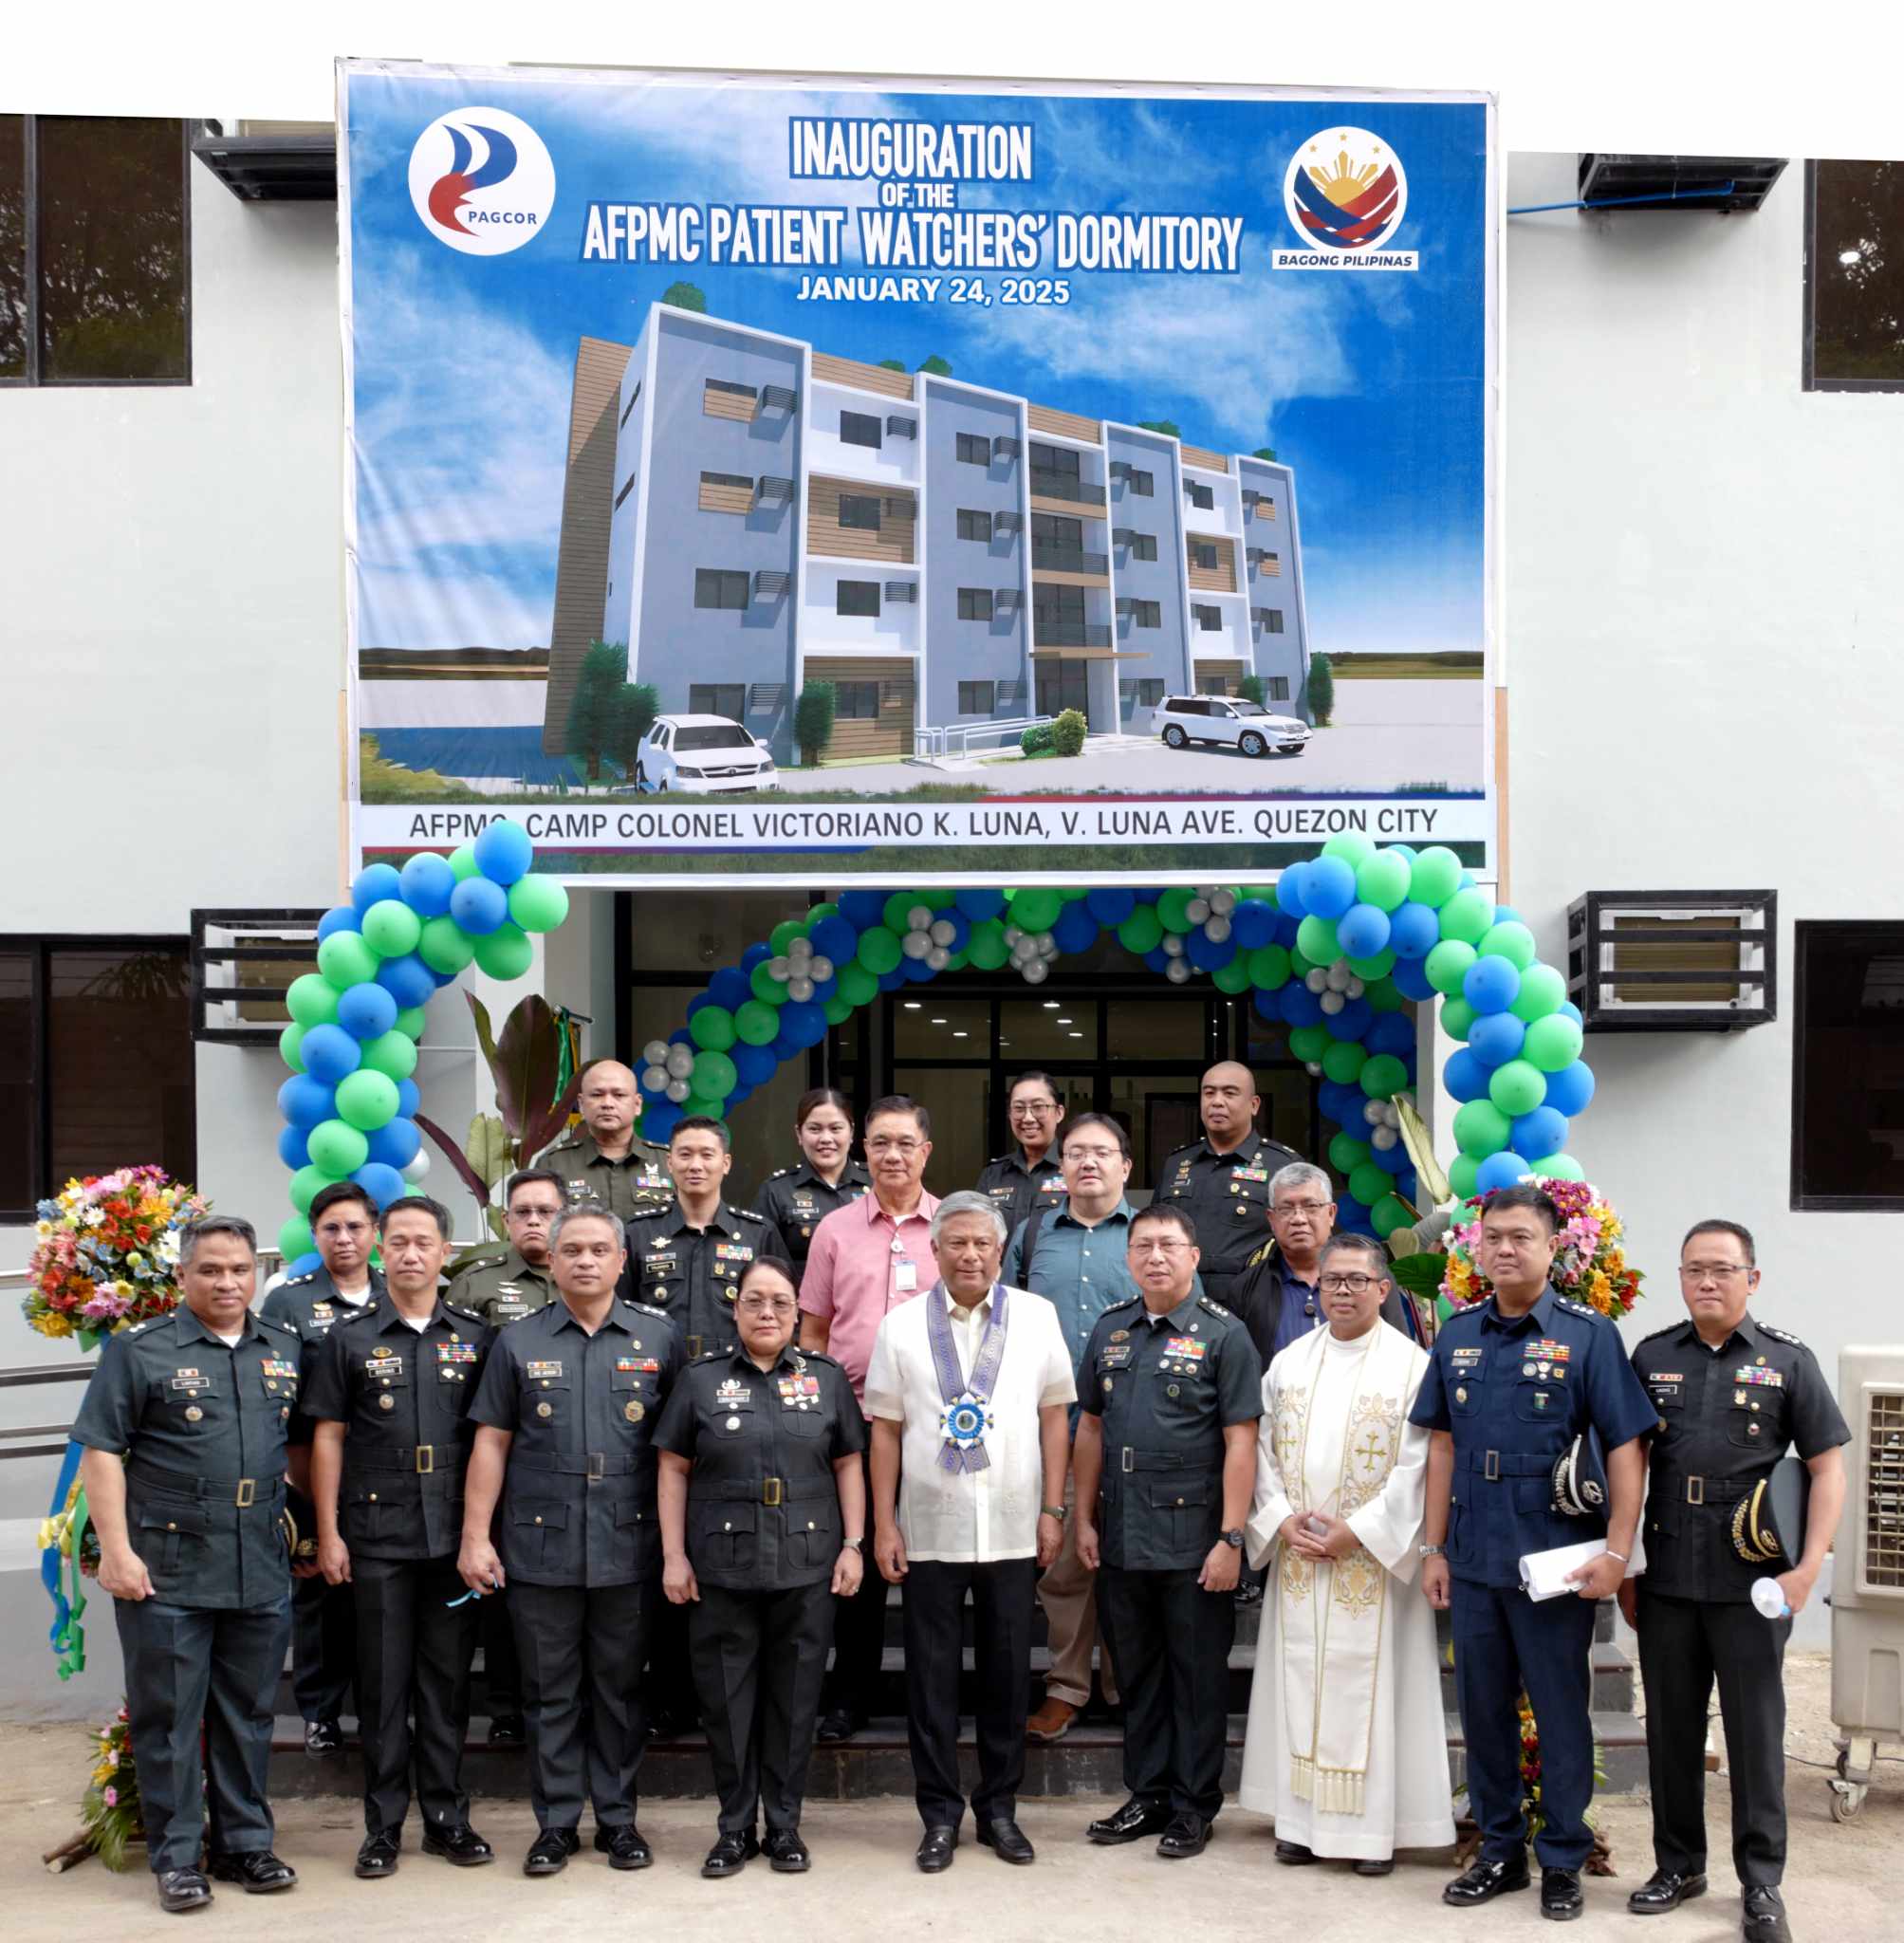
{"x":1577,"y":1308}
{"x":1215,"y":1307}
{"x":1780,"y":1335}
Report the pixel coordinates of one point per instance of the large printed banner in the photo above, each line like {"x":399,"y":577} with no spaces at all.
{"x":803,"y":482}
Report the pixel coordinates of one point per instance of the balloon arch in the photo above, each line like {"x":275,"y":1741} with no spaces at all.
{"x":1339,"y":950}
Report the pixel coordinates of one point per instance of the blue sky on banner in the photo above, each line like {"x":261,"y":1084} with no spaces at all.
{"x":1371,"y":384}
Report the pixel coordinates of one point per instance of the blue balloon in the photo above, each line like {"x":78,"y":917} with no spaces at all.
{"x":1352,"y":1217}
{"x":758,"y":955}
{"x":479,"y":906}
{"x":1207,"y":953}
{"x":1391,"y":1159}
{"x":1413,"y":930}
{"x":1157,"y":959}
{"x":504,"y":853}
{"x":1496,"y":1038}
{"x":1252,"y":923}
{"x":1111,"y":904}
{"x":306,"y":1264}
{"x":1076,"y":929}
{"x":1568,"y":1010}
{"x":680,"y":1036}
{"x":292,"y":1150}
{"x":961,"y":926}
{"x":784,"y":1047}
{"x":366,"y":1011}
{"x":395,"y":1142}
{"x":739,"y":1093}
{"x":1342,"y":1100}
{"x":825,"y":990}
{"x":803,"y":1022}
{"x":1352,"y":1022}
{"x":1410,"y":980}
{"x":891,"y":981}
{"x":833,"y":937}
{"x":383,"y":1184}
{"x":305,"y":1099}
{"x":862,"y":910}
{"x":1288,"y":929}
{"x":1405,"y":851}
{"x":342,"y":918}
{"x":754,"y":1064}
{"x":977,"y":904}
{"x":329,"y":1054}
{"x":427,"y":881}
{"x":1541,"y":1133}
{"x":1362,"y":930}
{"x":374,"y":883}
{"x":1501,"y":1170}
{"x":439,"y":979}
{"x":660,"y":1120}
{"x":1291,"y":893}
{"x":1328,"y":887}
{"x":408,"y":980}
{"x":729,"y":989}
{"x":1505,"y":913}
{"x":1394,"y":1032}
{"x":916,"y":970}
{"x":1490,"y":984}
{"x":699,"y":1003}
{"x":1464,"y":1076}
{"x":408,"y":1097}
{"x":1300,"y":1007}
{"x":1568,"y":1090}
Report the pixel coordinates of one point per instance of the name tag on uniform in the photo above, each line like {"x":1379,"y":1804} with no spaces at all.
{"x":321,"y":1312}
{"x":582,"y":1189}
{"x":1466,"y":1359}
{"x":1672,"y":1379}
{"x":273,"y":1366}
{"x":733,"y":1393}
{"x":905,"y":1277}
{"x":190,"y":1380}
{"x":658,"y":1264}
{"x":1114,"y":1355}
{"x":541,"y":1372}
{"x":1761,"y":1375}
{"x":456,"y":1351}
{"x":1186,"y":1348}
{"x":385,"y":1364}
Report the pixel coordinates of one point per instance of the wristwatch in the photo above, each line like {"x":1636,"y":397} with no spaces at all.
{"x":854,"y":1545}
{"x":1056,"y":1511}
{"x":1432,"y":1551}
{"x":1233,"y":1539}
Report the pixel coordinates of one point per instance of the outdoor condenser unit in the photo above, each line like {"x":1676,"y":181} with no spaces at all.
{"x":1867,"y":1585}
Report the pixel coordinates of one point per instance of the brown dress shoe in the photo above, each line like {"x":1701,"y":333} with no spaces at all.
{"x":1052,"y":1721}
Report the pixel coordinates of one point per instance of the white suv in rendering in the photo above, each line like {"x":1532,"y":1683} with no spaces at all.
{"x":702,"y":755}
{"x":1230,"y":723}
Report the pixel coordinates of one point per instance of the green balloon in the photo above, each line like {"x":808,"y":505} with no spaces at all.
{"x":1383,"y":881}
{"x":1447,"y":965}
{"x":1344,"y":1060}
{"x":1142,"y":930}
{"x":1552,"y":1043}
{"x":312,"y":1001}
{"x":1383,"y":1076}
{"x":1354,"y":850}
{"x":1299,"y":967}
{"x":857,"y":983}
{"x":411,"y":1022}
{"x":366,"y":1099}
{"x":706,"y":1108}
{"x":771,"y":990}
{"x":1517,"y":1087}
{"x":758,"y":1023}
{"x":1542,"y":990}
{"x":714,"y":1074}
{"x":838,"y":1009}
{"x":290,"y":1042}
{"x":1458,"y":1017}
{"x":878,"y":951}
{"x":506,"y":953}
{"x":392,"y":1053}
{"x":788,"y":929}
{"x":1268,"y":968}
{"x":712,"y":1029}
{"x":305,"y":1183}
{"x":1378,"y":966}
{"x":337,"y":1147}
{"x":445,"y":946}
{"x":1369,"y":1183}
{"x":1509,"y":939}
{"x":1310,"y":1043}
{"x":1561,"y":1167}
{"x":1467,"y":915}
{"x":1036,"y":909}
{"x":985,"y":947}
{"x":1384,"y":998}
{"x":1316,"y":940}
{"x":1346,"y":1153}
{"x":1464,"y":1173}
{"x":1233,"y":976}
{"x":345,"y":959}
{"x":1481,"y":1129}
{"x":295,"y":1238}
{"x":537,"y":903}
{"x":1435,"y":876}
{"x":391,"y":928}
{"x":463,"y":863}
{"x":959,"y":960}
{"x":1389,"y":1213}
{"x":1171,"y":911}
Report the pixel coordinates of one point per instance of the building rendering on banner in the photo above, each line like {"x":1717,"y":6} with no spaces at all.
{"x":749,"y":515}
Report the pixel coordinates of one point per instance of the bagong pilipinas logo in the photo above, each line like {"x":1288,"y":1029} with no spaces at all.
{"x":481,"y":182}
{"x":1345,"y":193}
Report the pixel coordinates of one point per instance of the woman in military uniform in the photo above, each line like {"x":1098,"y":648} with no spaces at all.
{"x":762,"y":1517}
{"x":797,"y":1199}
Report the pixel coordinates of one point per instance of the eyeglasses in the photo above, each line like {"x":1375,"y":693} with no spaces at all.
{"x":1299,"y":1207}
{"x":766,"y":1305}
{"x":1158,"y":1247}
{"x":884,"y":1145}
{"x":1091,"y":1154}
{"x":544,"y":1215}
{"x":1353,"y":1284}
{"x":1718,"y":1271}
{"x":336,"y":1231}
{"x":1032,"y":1109}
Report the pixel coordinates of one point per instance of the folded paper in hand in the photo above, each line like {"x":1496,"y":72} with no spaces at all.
{"x":1543,"y":1575}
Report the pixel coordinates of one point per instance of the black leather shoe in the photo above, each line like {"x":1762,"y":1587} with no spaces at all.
{"x":461,"y":1846}
{"x":842,"y":1724}
{"x":324,"y":1738}
{"x":1187,"y":1835}
{"x":1765,"y":1918}
{"x":258,"y":1871}
{"x":1004,"y":1835}
{"x":1373,"y":1865}
{"x":508,"y":1731}
{"x":785,"y":1852}
{"x":1485,"y":1880}
{"x":934,"y":1852}
{"x":1131,"y":1823}
{"x":182,"y":1889}
{"x":549,"y":1852}
{"x":1664,"y":1892}
{"x":1249,"y":1592}
{"x":1294,"y":1854}
{"x":730,"y":1855}
{"x":377,"y":1856}
{"x":625,"y":1845}
{"x":1560,"y":1897}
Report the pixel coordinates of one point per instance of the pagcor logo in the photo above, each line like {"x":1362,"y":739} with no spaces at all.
{"x":481,"y":180}
{"x":1346,"y":193}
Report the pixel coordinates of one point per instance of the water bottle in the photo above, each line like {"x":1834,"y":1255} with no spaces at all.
{"x":1769,"y":1598}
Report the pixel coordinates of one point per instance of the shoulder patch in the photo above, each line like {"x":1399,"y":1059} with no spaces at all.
{"x":298,"y":1281}
{"x":750,"y":1214}
{"x":509,"y":1322}
{"x":1780,"y":1335}
{"x":1128,"y":1302}
{"x":270,"y":1322}
{"x":369,"y":1309}
{"x":136,"y":1329}
{"x":780,"y":1174}
{"x":457,"y":1309}
{"x":1577,"y":1308}
{"x":712,"y":1355}
{"x":648,"y":1309}
{"x":1215,"y":1308}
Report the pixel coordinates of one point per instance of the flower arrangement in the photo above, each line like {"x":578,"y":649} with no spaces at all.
{"x":111,"y":1817}
{"x":1590,"y":1265}
{"x":106,"y":1252}
{"x":57,"y":1530}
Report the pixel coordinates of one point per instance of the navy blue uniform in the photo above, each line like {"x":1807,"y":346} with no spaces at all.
{"x":1015,"y":1186}
{"x":1513,"y":1394}
{"x":796,"y":1200}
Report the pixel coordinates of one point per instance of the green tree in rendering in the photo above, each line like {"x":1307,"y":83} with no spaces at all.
{"x":1167,"y":426}
{"x":595,"y":710}
{"x":935,"y":366}
{"x":1067,"y":733}
{"x":685,"y":296}
{"x":1265,"y":451}
{"x":636,"y":709}
{"x":892,"y":364}
{"x":1322,"y":690}
{"x":813,"y":721}
{"x":1250,"y":688}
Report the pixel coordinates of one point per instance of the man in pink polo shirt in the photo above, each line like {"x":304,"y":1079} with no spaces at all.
{"x":868,"y":1257}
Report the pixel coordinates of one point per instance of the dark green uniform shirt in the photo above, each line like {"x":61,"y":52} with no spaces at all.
{"x":310,"y":1303}
{"x":762,"y":1503}
{"x":1165,"y":1388}
{"x":796,"y":1200}
{"x":579,"y":1497}
{"x":1226,"y":1196}
{"x":693,"y":1273}
{"x":404,"y":1395}
{"x":501,"y":1287}
{"x":632,"y":1185}
{"x":1015,"y":1186}
{"x":203,"y":1429}
{"x":1725,"y":1418}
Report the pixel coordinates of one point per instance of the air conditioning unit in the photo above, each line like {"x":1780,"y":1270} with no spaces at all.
{"x":1673,"y":961}
{"x":243,"y":963}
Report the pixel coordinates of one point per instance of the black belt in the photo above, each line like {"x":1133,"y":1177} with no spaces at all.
{"x":766,"y":1491}
{"x":241,"y":1491}
{"x":595,"y":1464}
{"x":1164,"y":1460}
{"x":424,"y":1459}
{"x":1713,"y":1490}
{"x":1497,"y":1464}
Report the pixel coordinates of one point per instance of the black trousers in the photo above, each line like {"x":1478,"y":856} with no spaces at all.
{"x":758,"y":1659}
{"x":1002,"y":1595}
{"x":1684,"y":1645}
{"x":670,"y":1689}
{"x":582,"y":1650}
{"x":502,"y":1671}
{"x":323,"y":1647}
{"x":859,"y":1632}
{"x":185,"y":1665}
{"x":413,"y":1652}
{"x":1172,"y":1642}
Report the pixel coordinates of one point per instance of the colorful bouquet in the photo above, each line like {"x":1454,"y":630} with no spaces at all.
{"x":57,"y":1530}
{"x":106,"y":1251}
{"x":1590,"y":1265}
{"x":113,"y":1819}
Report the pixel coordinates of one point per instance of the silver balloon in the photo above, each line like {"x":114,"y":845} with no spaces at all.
{"x":1332,"y":1001}
{"x":1383,"y":1138}
{"x":943,"y":931}
{"x":656,"y":1052}
{"x":1373,"y":1112}
{"x":1047,"y":944}
{"x":1012,"y":933}
{"x":919,"y":918}
{"x":1314,"y":1070}
{"x":677,"y":1090}
{"x":1025,"y":951}
{"x":1197,"y":910}
{"x":821,"y":968}
{"x":654,"y":1077}
{"x":799,"y":988}
{"x":681,"y":1061}
{"x":780,"y":969}
{"x":1337,"y":976}
{"x":1216,"y":929}
{"x":915,"y":944}
{"x":417,"y":1167}
{"x":939,"y":957}
{"x":1316,"y":979}
{"x":1223,"y":902}
{"x":799,"y":950}
{"x":1172,"y":943}
{"x":1036,"y":972}
{"x":1354,"y":989}
{"x":1177,"y":970}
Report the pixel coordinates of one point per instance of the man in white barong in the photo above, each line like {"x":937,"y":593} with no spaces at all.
{"x":1347,"y":1744}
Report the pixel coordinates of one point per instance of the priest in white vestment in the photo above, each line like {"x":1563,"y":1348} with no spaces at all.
{"x":1347,"y":1743}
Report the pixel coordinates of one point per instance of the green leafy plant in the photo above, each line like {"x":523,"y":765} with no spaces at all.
{"x":595,"y":709}
{"x":935,"y":366}
{"x":1037,"y":740}
{"x":1252,"y":690}
{"x":685,"y":296}
{"x":1265,"y":451}
{"x":813,"y":720}
{"x":1067,"y":733}
{"x":1322,"y":690}
{"x":635,"y":709}
{"x":383,"y":780}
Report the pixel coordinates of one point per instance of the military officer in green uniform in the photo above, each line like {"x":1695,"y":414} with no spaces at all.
{"x":1222,"y":1181}
{"x":389,"y":1396}
{"x":1169,"y":1393}
{"x":565,"y":1415}
{"x":797,"y":1199}
{"x":1730,"y":1392}
{"x":1028,"y":1177}
{"x":604,"y":1162}
{"x":510,"y":1281}
{"x":192,"y":1547}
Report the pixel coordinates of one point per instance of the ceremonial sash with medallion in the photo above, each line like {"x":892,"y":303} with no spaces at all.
{"x":966,"y":1416}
